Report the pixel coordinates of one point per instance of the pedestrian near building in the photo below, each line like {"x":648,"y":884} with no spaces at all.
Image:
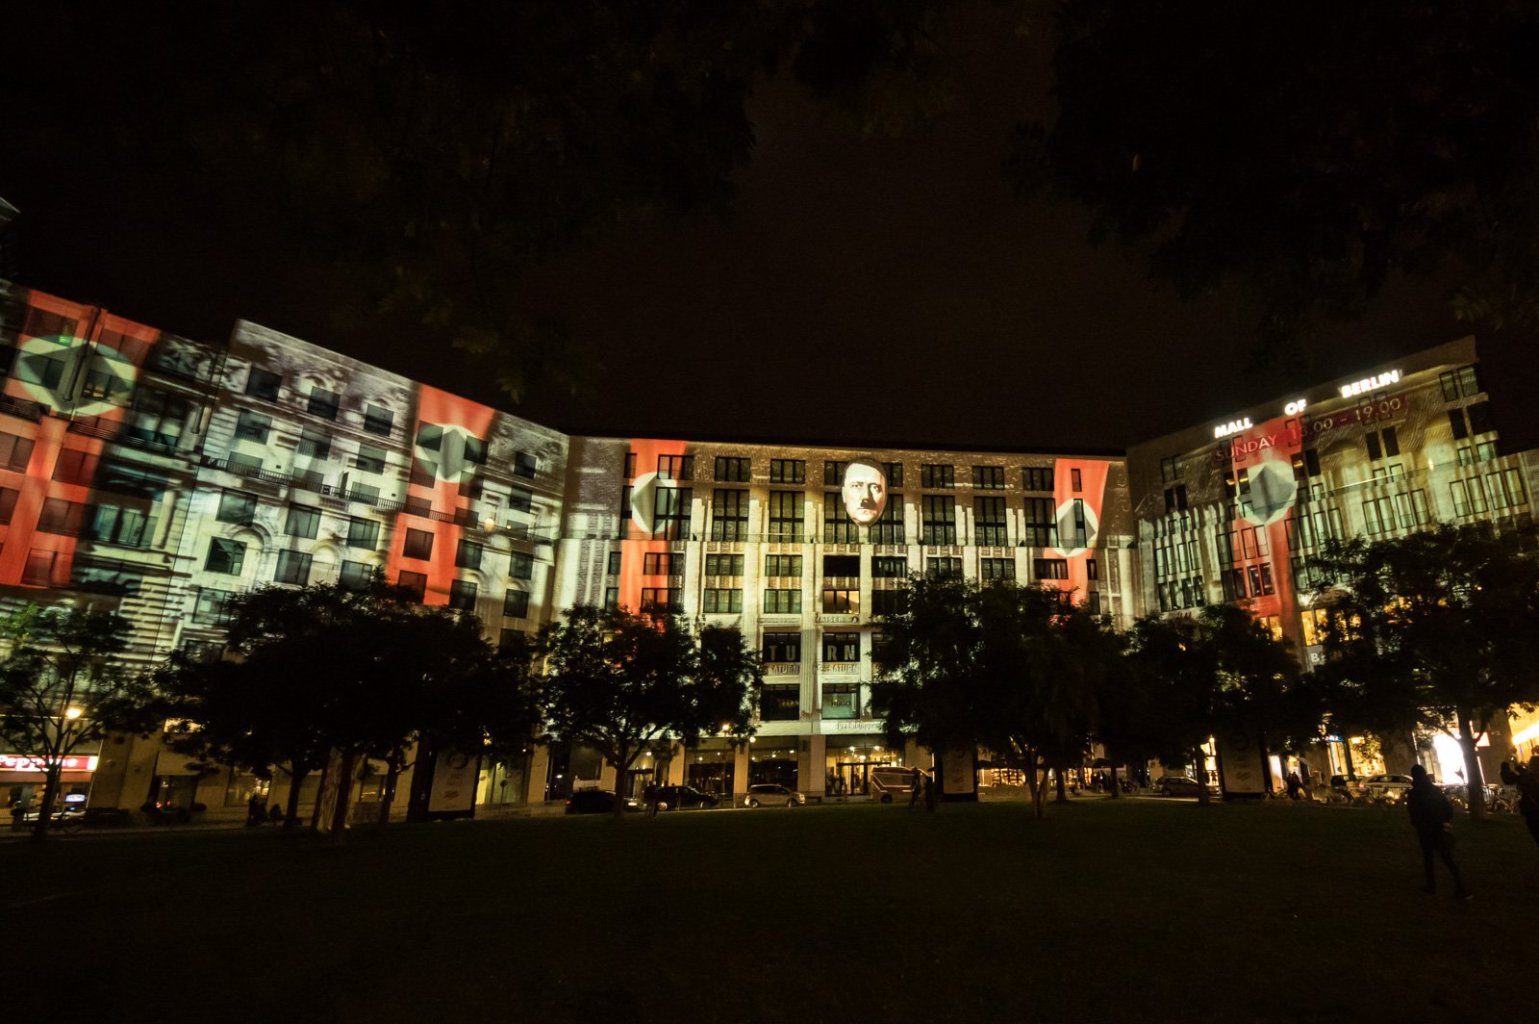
{"x":1431,"y":814}
{"x":649,"y":797}
{"x":1527,"y":782}
{"x":913,"y":790}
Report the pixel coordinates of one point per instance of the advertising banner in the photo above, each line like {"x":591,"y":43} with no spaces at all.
{"x":1240,"y":764}
{"x":455,"y":777}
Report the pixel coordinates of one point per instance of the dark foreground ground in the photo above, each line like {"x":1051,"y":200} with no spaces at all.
{"x":1109,"y":911}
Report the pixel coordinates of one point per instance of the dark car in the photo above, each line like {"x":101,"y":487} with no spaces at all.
{"x":682,"y":798}
{"x":596,"y":801}
{"x":1180,"y":785}
{"x":768,"y":794}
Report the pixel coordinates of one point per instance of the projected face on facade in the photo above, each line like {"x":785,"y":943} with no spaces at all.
{"x":865,"y":491}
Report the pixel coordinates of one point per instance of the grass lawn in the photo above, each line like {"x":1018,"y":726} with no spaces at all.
{"x":1109,"y":911}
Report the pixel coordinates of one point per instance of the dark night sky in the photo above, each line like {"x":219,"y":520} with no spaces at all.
{"x":886,"y":290}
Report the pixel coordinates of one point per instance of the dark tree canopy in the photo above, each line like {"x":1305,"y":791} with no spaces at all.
{"x":1308,"y":150}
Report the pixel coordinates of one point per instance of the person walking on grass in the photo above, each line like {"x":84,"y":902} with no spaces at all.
{"x":1431,"y":814}
{"x":1527,"y":782}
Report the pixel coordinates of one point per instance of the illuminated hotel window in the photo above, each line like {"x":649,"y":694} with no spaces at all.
{"x":782,"y":648}
{"x":1378,"y":515}
{"x":782,"y":602}
{"x":989,"y":520}
{"x":462,"y":595}
{"x":1450,"y":385}
{"x":943,"y":568}
{"x":788,"y":471}
{"x":467,"y":555}
{"x":525,"y":465}
{"x":293,"y":567}
{"x":676,"y":467}
{"x":263,"y":384}
{"x":75,"y":467}
{"x":841,"y":648}
{"x":520,"y":566}
{"x":323,"y":403}
{"x":378,"y":420}
{"x":724,"y":565}
{"x":15,"y":452}
{"x":785,"y":515}
{"x":611,"y":598}
{"x":252,"y":426}
{"x":996,"y":568}
{"x":363,"y":533}
{"x":729,"y":514}
{"x":1037,"y":479}
{"x":991,"y":478}
{"x":889,"y":528}
{"x":60,"y":516}
{"x":833,"y":473}
{"x":841,"y":700}
{"x":661,"y":599}
{"x":1485,"y":451}
{"x":1041,"y":523}
{"x":1506,"y":489}
{"x":933,"y":474}
{"x":313,"y":443}
{"x":226,"y":556}
{"x":418,"y":544}
{"x":415,"y":583}
{"x":303,"y":521}
{"x":1050,"y":568}
{"x":661,"y":563}
{"x":783,"y":565}
{"x":1468,"y":383}
{"x":889,"y":566}
{"x":894,"y":473}
{"x":236,"y":507}
{"x":370,"y":459}
{"x":515,"y":604}
{"x":889,"y":602}
{"x":837,"y":526}
{"x":841,"y":601}
{"x":356,"y":576}
{"x":730,"y":469}
{"x":213,"y":607}
{"x":614,"y":563}
{"x":721,"y":602}
{"x":938,"y":519}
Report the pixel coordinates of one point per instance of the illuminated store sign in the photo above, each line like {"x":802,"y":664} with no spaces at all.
{"x":1369,"y":383}
{"x":1232,"y":427}
{"x":36,"y":763}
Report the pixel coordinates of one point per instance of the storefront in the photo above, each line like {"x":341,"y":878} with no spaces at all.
{"x":22,"y":779}
{"x":773,"y":760}
{"x":848,"y":762}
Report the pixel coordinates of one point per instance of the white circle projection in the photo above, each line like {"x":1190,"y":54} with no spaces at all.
{"x":1273,"y":492}
{"x":71,"y":376}
{"x":1068,"y":529}
{"x":447,"y":451}
{"x":644,"y":501}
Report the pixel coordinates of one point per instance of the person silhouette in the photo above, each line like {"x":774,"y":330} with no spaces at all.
{"x":1430,"y":814}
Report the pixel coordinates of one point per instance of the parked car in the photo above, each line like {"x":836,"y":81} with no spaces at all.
{"x":1180,"y":785}
{"x":680,"y":798}
{"x":1385,"y":788}
{"x":769,"y":794}
{"x":596,"y":801}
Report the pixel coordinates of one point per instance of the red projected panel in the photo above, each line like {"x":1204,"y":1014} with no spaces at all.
{"x":1261,"y":461}
{"x":641,"y":532}
{"x":1079,"y":489}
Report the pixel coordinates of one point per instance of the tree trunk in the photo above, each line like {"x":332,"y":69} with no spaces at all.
{"x":50,"y":794}
{"x":420,"y":793}
{"x":1203,"y":797}
{"x":1116,"y":790}
{"x":296,"y":779}
{"x":344,"y":797}
{"x":392,"y":774}
{"x":320,"y":790}
{"x":1474,"y":782}
{"x":622,"y":766}
{"x":1060,"y":785}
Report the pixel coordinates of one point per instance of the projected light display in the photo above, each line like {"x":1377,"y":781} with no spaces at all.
{"x":864,"y":491}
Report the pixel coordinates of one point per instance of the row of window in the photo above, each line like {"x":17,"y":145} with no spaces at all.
{"x":738,"y":469}
{"x":227,"y":555}
{"x":213,"y":607}
{"x":671,"y":563}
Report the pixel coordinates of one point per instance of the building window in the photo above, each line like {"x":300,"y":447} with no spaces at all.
{"x":783,"y":566}
{"x":671,"y":512}
{"x":462,"y":595}
{"x":841,"y":600}
{"x":889,"y":602}
{"x":521,"y":566}
{"x":8,"y":496}
{"x":74,"y":467}
{"x":1175,"y":498}
{"x":526,"y":465}
{"x":724,"y":565}
{"x":611,"y":598}
{"x":841,"y":648}
{"x":630,"y":465}
{"x":356,"y":576}
{"x":414,"y":583}
{"x":657,"y":600}
{"x":935,"y":475}
{"x":996,"y":568}
{"x":303,"y":521}
{"x":938,"y":519}
{"x":676,"y":467}
{"x":782,"y":602}
{"x":1382,"y":443}
{"x":729,"y":514}
{"x":226,"y":556}
{"x":378,"y":420}
{"x":889,"y":528}
{"x":515,"y":604}
{"x":252,"y":426}
{"x":782,"y":648}
{"x":1480,"y":418}
{"x":370,"y":459}
{"x":788,"y":471}
{"x":324,"y":403}
{"x":60,"y":516}
{"x":889,"y":567}
{"x":293,"y":567}
{"x":894,"y":473}
{"x":833,"y":473}
{"x":989,"y":520}
{"x":236,"y":507}
{"x":662,"y":563}
{"x":366,"y":494}
{"x":1469,"y":384}
{"x":315,"y":444}
{"x":263,"y":384}
{"x":613,"y":568}
{"x":418,"y":544}
{"x":989,"y":478}
{"x":838,"y":528}
{"x":785,"y":515}
{"x":1041,"y":524}
{"x":780,"y":703}
{"x":213,"y":607}
{"x":363,"y":533}
{"x":730,"y":469}
{"x":719,"y":601}
{"x":467,"y":554}
{"x":1506,"y":489}
{"x":1092,"y":571}
{"x":943,"y":568}
{"x":1050,"y":568}
{"x":112,"y":524}
{"x":15,"y":452}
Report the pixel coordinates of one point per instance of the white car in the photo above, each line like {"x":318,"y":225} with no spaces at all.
{"x":1385,"y":788}
{"x":769,"y":794}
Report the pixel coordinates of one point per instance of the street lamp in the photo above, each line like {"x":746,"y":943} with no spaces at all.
{"x":72,"y":713}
